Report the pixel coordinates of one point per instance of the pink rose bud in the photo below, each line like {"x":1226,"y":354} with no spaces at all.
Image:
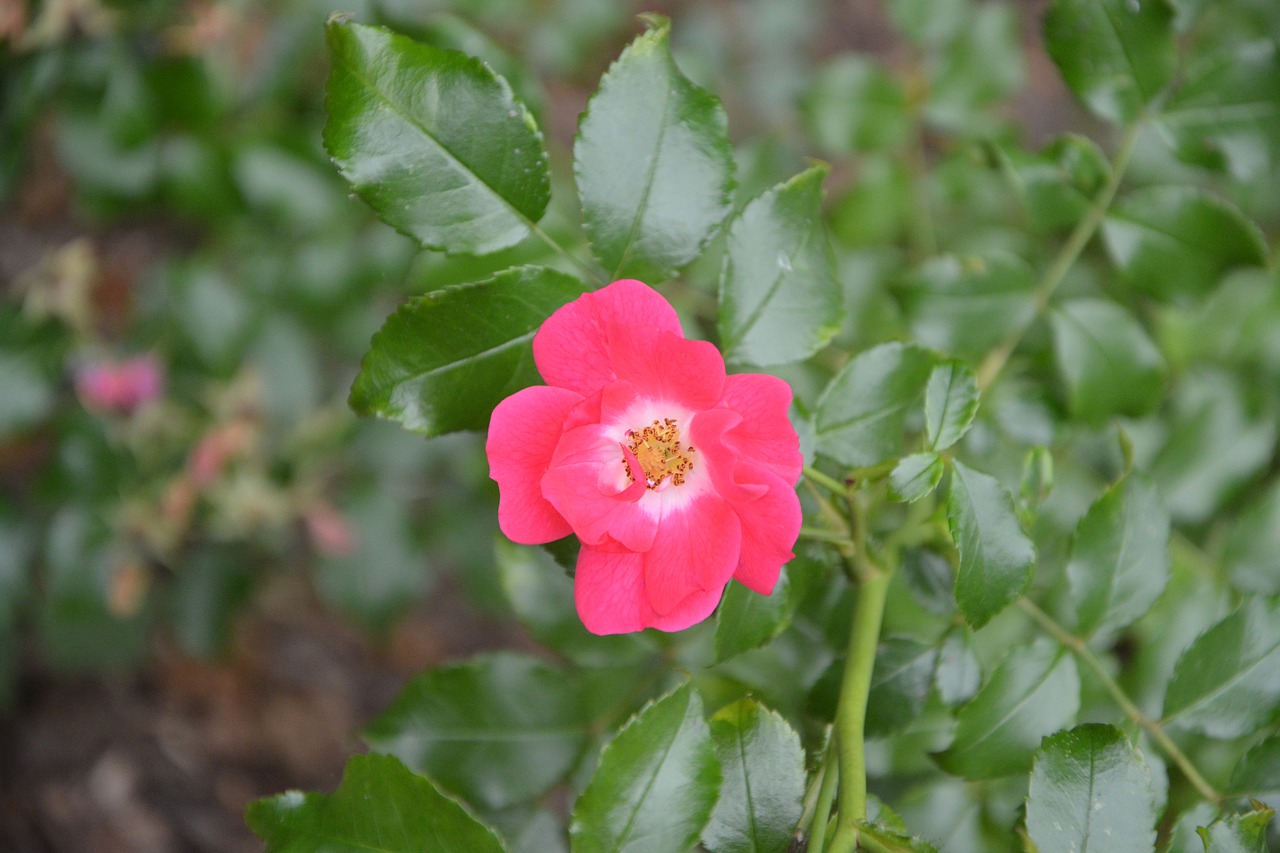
{"x":674,"y":476}
{"x":329,"y":531}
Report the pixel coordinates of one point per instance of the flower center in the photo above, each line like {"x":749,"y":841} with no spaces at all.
{"x":658,"y":449}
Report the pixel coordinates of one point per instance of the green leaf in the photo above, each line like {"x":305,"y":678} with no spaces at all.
{"x":860,"y":415}
{"x":496,"y":730}
{"x":966,"y":307}
{"x":1116,"y":55}
{"x":28,"y":395}
{"x":899,"y":684}
{"x":931,"y":580}
{"x":1059,"y":184}
{"x":445,"y":359}
{"x":1119,"y":558}
{"x":1216,"y":442}
{"x":1176,"y":242}
{"x":1226,"y":110}
{"x":653,"y":164}
{"x":764,"y":779}
{"x":1227,"y":683}
{"x":780,"y":301}
{"x":1239,"y":833}
{"x":656,"y":784}
{"x":996,"y":557}
{"x":892,"y":841}
{"x":915,"y":476}
{"x":1109,"y":364}
{"x":959,"y":673}
{"x":1034,"y":691}
{"x":386,"y":571}
{"x":433,"y":140}
{"x":1090,"y":789}
{"x":950,"y":404}
{"x":380,"y":806}
{"x":1258,"y":771}
{"x":747,"y":620}
{"x":855,"y":105}
{"x":1249,"y":557}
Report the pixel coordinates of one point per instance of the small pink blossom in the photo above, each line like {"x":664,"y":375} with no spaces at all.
{"x":120,"y":386}
{"x":329,"y":531}
{"x":674,"y":476}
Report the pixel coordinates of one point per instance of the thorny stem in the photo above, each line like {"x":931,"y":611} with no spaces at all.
{"x":1132,"y":711}
{"x":1057,"y":271}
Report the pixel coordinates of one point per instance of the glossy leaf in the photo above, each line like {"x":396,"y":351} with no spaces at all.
{"x":764,"y":779}
{"x":899,"y":684}
{"x":747,"y":620}
{"x":496,"y":730}
{"x":1116,"y":55}
{"x":1119,"y":558}
{"x":966,"y":307}
{"x":892,"y":840}
{"x":996,"y":557}
{"x":1090,"y":790}
{"x":1258,"y":771}
{"x":861,"y":413}
{"x":1227,"y":683}
{"x":780,"y":301}
{"x":950,"y":404}
{"x":380,"y":806}
{"x":445,"y":359}
{"x":1254,"y":542}
{"x":1109,"y":364}
{"x":656,"y":784}
{"x":958,"y":675}
{"x":433,"y":140}
{"x":653,"y":163}
{"x":915,"y":476}
{"x":1239,"y":833}
{"x":1034,"y":691}
{"x":1176,"y":242}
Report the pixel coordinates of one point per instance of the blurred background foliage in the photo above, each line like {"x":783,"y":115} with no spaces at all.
{"x":166,"y":198}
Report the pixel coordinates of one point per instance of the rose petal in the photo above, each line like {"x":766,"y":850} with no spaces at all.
{"x":583,"y":344}
{"x":586,"y":482}
{"x":696,"y":550}
{"x":523,"y":433}
{"x":690,"y":373}
{"x":608,"y":589}
{"x":765,"y":433}
{"x":727,"y":467}
{"x":770,"y":527}
{"x":609,"y":592}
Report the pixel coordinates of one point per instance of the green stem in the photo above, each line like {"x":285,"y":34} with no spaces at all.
{"x":827,"y":793}
{"x":851,"y":714}
{"x":1132,"y":711}
{"x":1057,"y":271}
{"x":821,"y":535}
{"x":831,"y":484}
{"x":591,"y":274}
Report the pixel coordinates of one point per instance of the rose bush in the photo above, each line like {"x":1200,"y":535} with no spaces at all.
{"x":675,"y":476}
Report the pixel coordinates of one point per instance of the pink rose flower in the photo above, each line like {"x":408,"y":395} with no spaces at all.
{"x":121,"y":386}
{"x":674,"y":476}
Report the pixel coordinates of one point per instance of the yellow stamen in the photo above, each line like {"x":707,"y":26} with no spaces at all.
{"x":658,"y":449}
